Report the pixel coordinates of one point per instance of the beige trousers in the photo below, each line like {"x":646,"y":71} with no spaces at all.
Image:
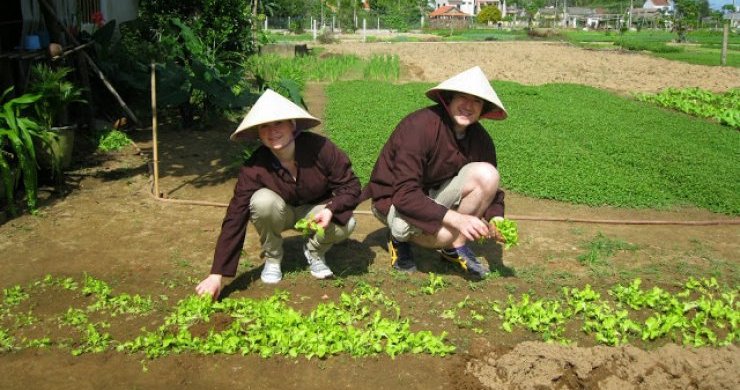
{"x":271,"y":216}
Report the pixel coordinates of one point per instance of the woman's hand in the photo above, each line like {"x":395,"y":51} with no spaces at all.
{"x":210,"y":285}
{"x":323,"y":217}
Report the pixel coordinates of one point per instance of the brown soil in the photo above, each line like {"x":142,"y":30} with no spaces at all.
{"x":537,"y":63}
{"x":107,"y":225}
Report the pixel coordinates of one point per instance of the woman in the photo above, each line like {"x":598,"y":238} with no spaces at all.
{"x":291,"y":176}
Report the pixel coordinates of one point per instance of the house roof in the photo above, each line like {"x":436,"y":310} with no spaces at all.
{"x":448,"y":10}
{"x":580,"y":11}
{"x":644,"y":11}
{"x":660,"y":3}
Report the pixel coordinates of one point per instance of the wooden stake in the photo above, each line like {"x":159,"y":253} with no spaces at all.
{"x":154,"y":131}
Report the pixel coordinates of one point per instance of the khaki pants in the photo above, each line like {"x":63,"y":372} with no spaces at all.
{"x":448,"y":194}
{"x":271,"y":216}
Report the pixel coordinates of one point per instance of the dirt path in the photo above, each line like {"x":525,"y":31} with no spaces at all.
{"x":547,"y":62}
{"x":110,"y":227}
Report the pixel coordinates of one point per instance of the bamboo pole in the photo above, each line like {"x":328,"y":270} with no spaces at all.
{"x":154,"y":131}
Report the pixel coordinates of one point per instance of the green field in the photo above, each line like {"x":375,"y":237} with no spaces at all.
{"x":567,"y":142}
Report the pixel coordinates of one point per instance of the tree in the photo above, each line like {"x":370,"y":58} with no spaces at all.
{"x":289,"y":8}
{"x":490,"y":14}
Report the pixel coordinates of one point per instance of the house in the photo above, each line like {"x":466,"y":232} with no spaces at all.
{"x":580,"y":17}
{"x":80,"y":14}
{"x":472,"y":7}
{"x":646,"y":17}
{"x":448,"y":12}
{"x":449,"y":16}
{"x":24,"y":35}
{"x":661,"y":5}
{"x":548,"y":16}
{"x":734,"y":18}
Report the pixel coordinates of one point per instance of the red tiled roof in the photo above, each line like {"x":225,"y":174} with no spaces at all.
{"x":660,"y":3}
{"x":441,"y":10}
{"x":447,"y":10}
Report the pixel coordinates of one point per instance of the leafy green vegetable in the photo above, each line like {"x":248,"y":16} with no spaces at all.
{"x":308,"y":227}
{"x":508,"y":228}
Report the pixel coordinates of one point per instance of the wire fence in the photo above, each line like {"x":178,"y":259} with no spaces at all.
{"x":344,"y":24}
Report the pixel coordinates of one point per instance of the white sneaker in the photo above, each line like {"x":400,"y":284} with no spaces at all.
{"x":271,"y":273}
{"x":318,"y":266}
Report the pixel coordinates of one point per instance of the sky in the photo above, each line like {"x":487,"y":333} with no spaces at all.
{"x":717,"y":4}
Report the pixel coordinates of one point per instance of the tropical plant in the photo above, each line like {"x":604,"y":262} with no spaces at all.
{"x":17,"y":151}
{"x":55,"y":92}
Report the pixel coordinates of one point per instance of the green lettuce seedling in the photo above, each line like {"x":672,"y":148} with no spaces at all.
{"x":508,"y":229}
{"x":307,"y":227}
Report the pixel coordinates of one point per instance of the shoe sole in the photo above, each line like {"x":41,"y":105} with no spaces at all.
{"x":322,"y":275}
{"x":270,"y":281}
{"x":456,"y":260}
{"x":392,"y":253}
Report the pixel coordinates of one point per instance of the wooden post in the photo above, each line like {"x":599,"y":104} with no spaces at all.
{"x":725,"y":33}
{"x":154,"y":131}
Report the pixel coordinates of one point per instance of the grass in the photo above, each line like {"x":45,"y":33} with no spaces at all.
{"x":703,"y":48}
{"x":703,"y":56}
{"x":566,"y":142}
{"x":273,"y":68}
{"x":601,"y":248}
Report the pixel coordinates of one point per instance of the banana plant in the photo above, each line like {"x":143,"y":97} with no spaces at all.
{"x":17,"y":149}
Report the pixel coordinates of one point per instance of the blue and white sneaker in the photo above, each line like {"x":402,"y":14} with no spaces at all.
{"x":465,"y":258}
{"x":317,"y":264}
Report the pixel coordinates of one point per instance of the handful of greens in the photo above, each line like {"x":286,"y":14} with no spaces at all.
{"x":307,"y":226}
{"x":508,"y":229}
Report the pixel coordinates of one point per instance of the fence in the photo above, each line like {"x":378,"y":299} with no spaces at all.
{"x":340,"y":24}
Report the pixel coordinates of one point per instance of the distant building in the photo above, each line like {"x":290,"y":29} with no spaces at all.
{"x":661,"y":5}
{"x":449,"y":16}
{"x":470,"y":7}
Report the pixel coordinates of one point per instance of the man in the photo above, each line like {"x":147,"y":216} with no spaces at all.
{"x":435,"y":182}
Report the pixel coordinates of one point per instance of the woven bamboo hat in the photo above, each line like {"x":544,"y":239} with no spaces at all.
{"x":272,"y":107}
{"x":473,"y":82}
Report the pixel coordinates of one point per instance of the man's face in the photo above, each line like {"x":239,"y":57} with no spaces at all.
{"x":465,"y":109}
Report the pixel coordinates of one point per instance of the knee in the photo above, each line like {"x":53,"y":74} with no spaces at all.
{"x":487,"y":177}
{"x":265,"y":202}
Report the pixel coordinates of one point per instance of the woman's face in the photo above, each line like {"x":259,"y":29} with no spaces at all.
{"x":465,"y":109}
{"x":276,"y":135}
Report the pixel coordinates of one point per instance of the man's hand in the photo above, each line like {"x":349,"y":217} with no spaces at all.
{"x":323,"y":217}
{"x":494,"y":233}
{"x":210,"y":285}
{"x":472,"y":228}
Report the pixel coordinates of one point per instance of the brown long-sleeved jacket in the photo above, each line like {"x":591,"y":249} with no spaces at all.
{"x":421,"y":154}
{"x":325,"y":175}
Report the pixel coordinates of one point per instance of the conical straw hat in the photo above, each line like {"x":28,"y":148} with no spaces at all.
{"x":271,"y":107}
{"x":472,"y":82}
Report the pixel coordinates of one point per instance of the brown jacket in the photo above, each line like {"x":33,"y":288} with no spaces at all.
{"x":421,"y":154}
{"x":324,"y":176}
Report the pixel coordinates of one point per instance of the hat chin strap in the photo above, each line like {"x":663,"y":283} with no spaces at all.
{"x":296,"y":132}
{"x":444,"y":104}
